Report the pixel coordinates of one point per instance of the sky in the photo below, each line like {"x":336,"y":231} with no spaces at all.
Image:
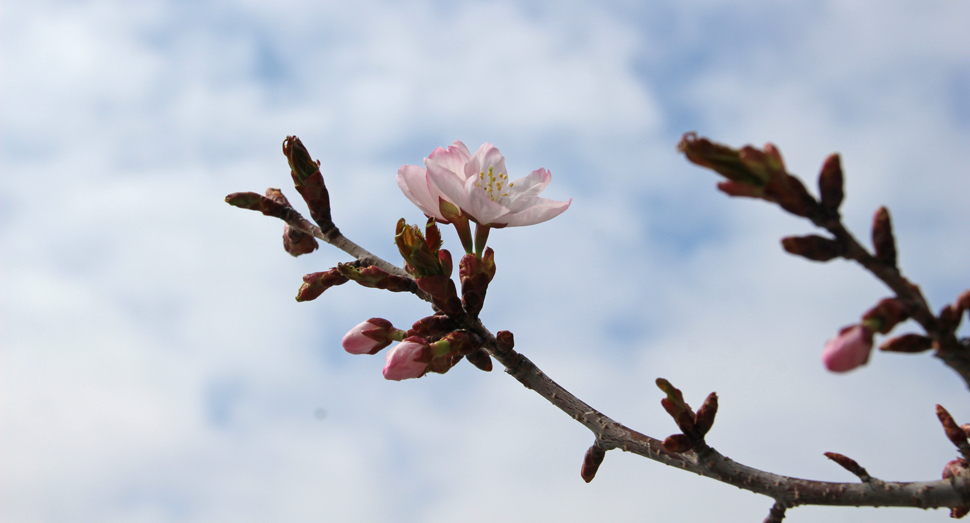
{"x":154,"y":366}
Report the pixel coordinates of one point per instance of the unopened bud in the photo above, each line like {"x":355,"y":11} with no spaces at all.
{"x":830,"y":184}
{"x":888,"y":313}
{"x":882,"y":237}
{"x":704,"y":419}
{"x":408,"y":359}
{"x":591,"y":462}
{"x":444,"y":294}
{"x":297,"y":242}
{"x":674,"y":404}
{"x":371,"y":336}
{"x":433,"y":326}
{"x":504,"y":341}
{"x":816,"y":248}
{"x":309,"y":182}
{"x":257,"y":202}
{"x":480,"y":359}
{"x":302,"y":165}
{"x":954,"y":433}
{"x":910,"y":343}
{"x":849,"y":464}
{"x":372,"y":276}
{"x":678,"y":443}
{"x":719,"y":158}
{"x":315,"y":283}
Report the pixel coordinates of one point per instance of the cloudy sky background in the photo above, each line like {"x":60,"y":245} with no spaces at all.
{"x":155,"y":367}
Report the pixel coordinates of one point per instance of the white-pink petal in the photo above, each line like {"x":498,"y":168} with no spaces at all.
{"x":479,"y":185}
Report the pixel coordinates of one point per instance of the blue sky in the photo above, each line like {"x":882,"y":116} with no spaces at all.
{"x":156,"y":368}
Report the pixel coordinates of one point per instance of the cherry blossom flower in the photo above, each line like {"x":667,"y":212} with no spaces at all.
{"x":408,"y":359}
{"x":456,"y":184}
{"x":849,"y":349}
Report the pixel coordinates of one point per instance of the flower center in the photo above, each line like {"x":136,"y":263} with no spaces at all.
{"x":492,"y":184}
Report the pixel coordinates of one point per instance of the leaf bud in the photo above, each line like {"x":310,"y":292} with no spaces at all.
{"x":704,"y":419}
{"x":888,"y":313}
{"x":815,"y":248}
{"x":591,"y":462}
{"x":909,"y":343}
{"x":678,"y":443}
{"x":882,"y":237}
{"x":830,"y":184}
{"x":315,"y":283}
{"x":480,"y":359}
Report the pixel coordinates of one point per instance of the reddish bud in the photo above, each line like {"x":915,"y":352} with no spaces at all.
{"x":849,"y":464}
{"x":910,"y":343}
{"x":888,"y":313}
{"x":302,"y":165}
{"x":591,"y":462}
{"x":480,"y":359}
{"x":733,"y":188}
{"x":719,"y":158}
{"x":675,"y":406}
{"x":372,"y":276}
{"x":504,"y":341}
{"x":813,"y":247}
{"x":704,"y":419}
{"x":830,"y":184}
{"x":789,"y":192}
{"x":954,"y":433}
{"x":433,"y":326}
{"x":257,"y":202}
{"x":678,"y":443}
{"x":882,"y":237}
{"x":444,"y":294}
{"x":309,"y":181}
{"x":297,"y":242}
{"x":315,"y":283}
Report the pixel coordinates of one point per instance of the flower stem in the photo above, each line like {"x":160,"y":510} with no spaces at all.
{"x":481,"y":236}
{"x":464,"y":233}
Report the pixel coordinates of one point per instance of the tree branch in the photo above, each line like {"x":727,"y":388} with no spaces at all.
{"x":701,"y":459}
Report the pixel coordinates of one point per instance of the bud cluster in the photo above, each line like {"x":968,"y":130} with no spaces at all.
{"x":433,"y":344}
{"x":694,"y":426}
{"x":761,"y":174}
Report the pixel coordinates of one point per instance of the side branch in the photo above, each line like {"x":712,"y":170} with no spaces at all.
{"x":706,"y":461}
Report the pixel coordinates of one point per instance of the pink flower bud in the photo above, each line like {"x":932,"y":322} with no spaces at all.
{"x":369,"y":337}
{"x":408,"y":359}
{"x":849,"y":349}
